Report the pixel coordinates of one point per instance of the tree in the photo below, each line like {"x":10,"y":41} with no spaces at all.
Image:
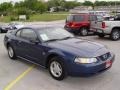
{"x":71,"y":4}
{"x":101,"y":3}
{"x":6,"y":7}
{"x":19,"y":4}
{"x":56,"y":4}
{"x":113,"y":3}
{"x":88,"y":3}
{"x":63,"y":4}
{"x":30,"y":4}
{"x":40,"y":7}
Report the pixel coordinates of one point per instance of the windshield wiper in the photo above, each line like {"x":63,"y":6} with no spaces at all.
{"x":66,"y":38}
{"x":52,"y":40}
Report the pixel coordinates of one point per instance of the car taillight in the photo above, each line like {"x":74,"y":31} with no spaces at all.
{"x":103,"y":25}
{"x":68,"y":24}
{"x":73,"y":24}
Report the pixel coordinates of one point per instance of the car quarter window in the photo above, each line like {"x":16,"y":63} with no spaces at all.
{"x":28,"y":34}
{"x":18,"y":33}
{"x":99,"y":18}
{"x":93,"y":18}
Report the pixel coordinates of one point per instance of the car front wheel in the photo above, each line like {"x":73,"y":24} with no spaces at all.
{"x":57,"y":69}
{"x":115,"y":35}
{"x":11,"y":52}
{"x":84,"y":31}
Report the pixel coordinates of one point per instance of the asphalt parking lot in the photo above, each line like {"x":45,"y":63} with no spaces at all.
{"x":21,"y":75}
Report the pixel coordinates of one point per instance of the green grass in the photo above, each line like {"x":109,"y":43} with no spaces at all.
{"x":47,"y":17}
{"x":42,"y":17}
{"x":59,"y":13}
{"x":5,"y":19}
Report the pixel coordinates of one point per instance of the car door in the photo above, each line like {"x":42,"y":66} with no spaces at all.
{"x":20,"y":46}
{"x":93,"y":22}
{"x":99,"y":22}
{"x":32,"y":51}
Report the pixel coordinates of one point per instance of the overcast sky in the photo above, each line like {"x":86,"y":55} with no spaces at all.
{"x":67,"y":0}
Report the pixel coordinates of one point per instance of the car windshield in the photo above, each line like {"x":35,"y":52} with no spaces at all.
{"x":53,"y":34}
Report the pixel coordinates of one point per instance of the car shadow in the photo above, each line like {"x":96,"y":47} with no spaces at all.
{"x":82,"y":79}
{"x":39,"y":74}
{"x":106,"y":38}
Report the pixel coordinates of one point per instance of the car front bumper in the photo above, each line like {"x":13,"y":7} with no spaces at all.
{"x":4,"y":30}
{"x":72,"y":30}
{"x":90,"y":69}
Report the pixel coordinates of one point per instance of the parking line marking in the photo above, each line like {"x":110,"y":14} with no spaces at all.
{"x":12,"y":83}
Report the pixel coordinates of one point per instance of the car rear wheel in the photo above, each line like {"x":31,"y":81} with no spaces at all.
{"x":11,"y":52}
{"x":57,"y":69}
{"x":115,"y":35}
{"x":101,"y":35}
{"x":0,"y":31}
{"x":84,"y":31}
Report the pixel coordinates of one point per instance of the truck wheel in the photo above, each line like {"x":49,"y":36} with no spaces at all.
{"x":84,"y":31}
{"x":115,"y":35}
{"x":101,"y":35}
{"x":0,"y":31}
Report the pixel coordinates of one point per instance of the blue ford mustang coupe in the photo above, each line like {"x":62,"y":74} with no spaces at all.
{"x":59,"y":51}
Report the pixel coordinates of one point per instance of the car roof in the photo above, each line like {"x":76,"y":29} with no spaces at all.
{"x":16,"y":22}
{"x":84,"y":14}
{"x":40,"y":27}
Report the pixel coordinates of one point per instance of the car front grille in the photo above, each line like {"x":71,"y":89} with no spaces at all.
{"x":105,"y":56}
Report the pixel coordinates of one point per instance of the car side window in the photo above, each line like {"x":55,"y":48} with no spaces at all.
{"x":28,"y":34}
{"x":69,"y":18}
{"x":78,"y":18}
{"x":93,"y":18}
{"x":99,"y":18}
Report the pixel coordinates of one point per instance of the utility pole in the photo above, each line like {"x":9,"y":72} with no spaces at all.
{"x":115,"y":8}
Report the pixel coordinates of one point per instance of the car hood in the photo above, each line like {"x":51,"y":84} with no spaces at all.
{"x":79,"y":47}
{"x":5,"y":26}
{"x":19,"y":26}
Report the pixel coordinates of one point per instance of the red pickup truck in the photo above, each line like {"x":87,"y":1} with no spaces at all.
{"x":80,"y":24}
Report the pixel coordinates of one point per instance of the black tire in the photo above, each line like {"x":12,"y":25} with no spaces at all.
{"x":101,"y":35}
{"x":115,"y":34}
{"x":58,"y":60}
{"x":84,"y":31}
{"x":0,"y":30}
{"x":13,"y":56}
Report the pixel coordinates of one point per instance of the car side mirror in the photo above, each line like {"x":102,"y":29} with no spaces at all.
{"x":34,"y":41}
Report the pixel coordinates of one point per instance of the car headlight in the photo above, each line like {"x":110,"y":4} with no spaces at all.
{"x":85,"y":60}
